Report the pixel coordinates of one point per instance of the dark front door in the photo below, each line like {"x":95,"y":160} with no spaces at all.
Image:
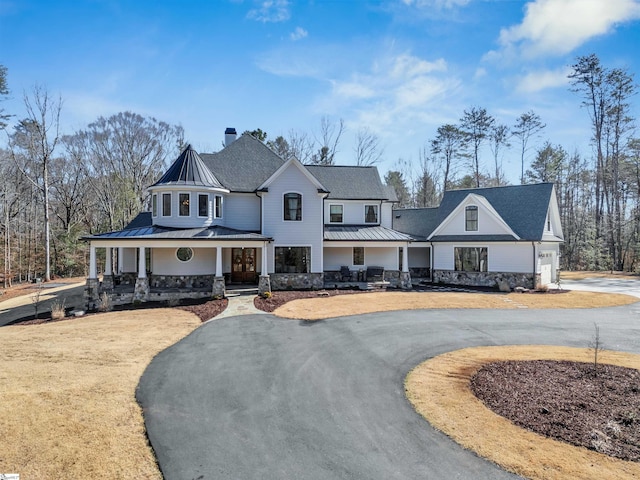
{"x":244,"y":265}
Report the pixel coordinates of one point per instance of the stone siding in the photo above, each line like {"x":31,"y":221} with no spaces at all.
{"x":200,"y":282}
{"x":484,"y":279}
{"x":417,"y":272}
{"x":297,"y":281}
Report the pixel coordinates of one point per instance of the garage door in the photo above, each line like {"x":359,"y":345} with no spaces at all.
{"x":546,"y":260}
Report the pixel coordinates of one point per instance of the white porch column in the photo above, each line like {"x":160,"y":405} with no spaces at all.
{"x":142,"y":264}
{"x":218,"y":261}
{"x":264,"y":259}
{"x":108,"y":264}
{"x":405,"y":258}
{"x":120,"y":259}
{"x":93,"y":269}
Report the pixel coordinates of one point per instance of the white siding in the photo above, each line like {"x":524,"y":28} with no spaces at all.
{"x":192,"y":220}
{"x":241,"y":211}
{"x":305,"y":233}
{"x":487,"y":223}
{"x":381,"y":257}
{"x":334,"y":258}
{"x":166,"y":263}
{"x":129,"y":260}
{"x":419,"y":257}
{"x":353,"y":211}
{"x":386,"y":219}
{"x":502,"y":257}
{"x":443,"y":256}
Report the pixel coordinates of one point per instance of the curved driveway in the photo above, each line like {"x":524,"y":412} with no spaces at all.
{"x":262,"y":397}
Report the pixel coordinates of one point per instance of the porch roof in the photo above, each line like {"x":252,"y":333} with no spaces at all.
{"x":364,"y":233}
{"x":156,"y":232}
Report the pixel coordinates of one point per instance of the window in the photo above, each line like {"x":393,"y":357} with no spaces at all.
{"x":154,"y":205}
{"x":335,"y":213}
{"x":471,"y":218}
{"x":184,"y":254}
{"x":184,"y":199}
{"x":293,"y":207}
{"x":203,"y":205}
{"x":292,"y":259}
{"x":371,"y":214}
{"x":470,"y":259}
{"x":166,"y":204}
{"x":548,"y":224}
{"x":358,"y":255}
{"x":218,"y":207}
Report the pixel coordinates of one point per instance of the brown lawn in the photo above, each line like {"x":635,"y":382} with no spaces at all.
{"x":335,"y":306}
{"x":67,"y":391}
{"x":439,"y":389}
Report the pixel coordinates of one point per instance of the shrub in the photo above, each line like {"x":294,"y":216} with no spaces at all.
{"x":57,"y":310}
{"x":266,"y":295}
{"x":104,"y":304}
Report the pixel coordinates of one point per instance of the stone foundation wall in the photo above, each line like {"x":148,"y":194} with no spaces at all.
{"x":297,"y":281}
{"x":420,"y":272}
{"x":500,"y":280}
{"x":204,"y":282}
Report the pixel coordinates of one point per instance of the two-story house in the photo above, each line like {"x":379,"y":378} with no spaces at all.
{"x":245,"y":215}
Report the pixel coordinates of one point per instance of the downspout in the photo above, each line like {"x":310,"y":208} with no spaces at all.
{"x":533,"y":244}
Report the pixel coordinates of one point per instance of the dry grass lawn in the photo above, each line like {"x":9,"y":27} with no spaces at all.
{"x":67,"y":391}
{"x":439,"y":390}
{"x":330,"y":307}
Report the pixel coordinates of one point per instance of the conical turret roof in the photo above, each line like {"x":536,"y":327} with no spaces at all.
{"x":190,"y":170}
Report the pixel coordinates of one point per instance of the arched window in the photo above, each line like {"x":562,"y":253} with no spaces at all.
{"x":293,"y":207}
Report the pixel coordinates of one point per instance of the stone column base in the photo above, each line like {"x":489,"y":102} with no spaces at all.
{"x":218,"y":290}
{"x":405,"y":281}
{"x":107,"y":282}
{"x":264,"y":284}
{"x":141,"y":290}
{"x":91,"y":293}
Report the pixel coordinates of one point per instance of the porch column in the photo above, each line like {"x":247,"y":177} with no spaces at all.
{"x":141,"y":290}
{"x":264,"y":283}
{"x":120,"y":259}
{"x":405,"y":276}
{"x":93,"y":269}
{"x":219,"y":288}
{"x":142,"y":264}
{"x":107,"y":278}
{"x":218,"y":261}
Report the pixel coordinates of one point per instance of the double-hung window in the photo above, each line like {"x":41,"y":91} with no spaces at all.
{"x":471,"y":218}
{"x":203,"y":205}
{"x":335,"y":213}
{"x":166,"y":204}
{"x":154,"y":204}
{"x":293,"y":207}
{"x":358,"y":256}
{"x":184,"y":204}
{"x":371,"y":214}
{"x":217,"y":208}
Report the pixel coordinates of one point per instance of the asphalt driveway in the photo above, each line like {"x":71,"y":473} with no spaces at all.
{"x":262,"y":397}
{"x":22,"y":308}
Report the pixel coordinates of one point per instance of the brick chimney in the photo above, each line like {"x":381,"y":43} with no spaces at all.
{"x":229,"y":136}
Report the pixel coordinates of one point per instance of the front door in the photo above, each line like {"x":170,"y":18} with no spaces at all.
{"x":244,"y":265}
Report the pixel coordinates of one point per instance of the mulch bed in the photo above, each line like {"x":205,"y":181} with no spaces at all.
{"x":567,"y":401}
{"x":279,"y":298}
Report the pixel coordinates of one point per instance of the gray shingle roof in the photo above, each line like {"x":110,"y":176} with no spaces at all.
{"x":244,"y":165}
{"x":364,"y":233}
{"x":189,"y":169}
{"x":522,"y":207}
{"x":350,"y":182}
{"x":419,"y":222}
{"x":472,"y":238}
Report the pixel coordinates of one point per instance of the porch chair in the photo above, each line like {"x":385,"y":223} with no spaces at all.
{"x":345,"y":274}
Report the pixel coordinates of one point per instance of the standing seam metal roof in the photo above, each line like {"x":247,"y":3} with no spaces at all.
{"x":189,"y":169}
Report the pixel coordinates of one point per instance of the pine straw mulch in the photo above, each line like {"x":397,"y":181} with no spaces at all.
{"x":279,"y":298}
{"x":573,"y":402}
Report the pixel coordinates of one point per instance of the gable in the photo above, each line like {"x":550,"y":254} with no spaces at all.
{"x":489,"y":221}
{"x":287,"y":167}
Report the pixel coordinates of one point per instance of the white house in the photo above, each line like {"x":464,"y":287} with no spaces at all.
{"x":245,"y":215}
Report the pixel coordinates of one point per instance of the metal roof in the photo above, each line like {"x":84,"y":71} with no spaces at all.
{"x":156,"y":232}
{"x":189,"y":169}
{"x":364,"y":233}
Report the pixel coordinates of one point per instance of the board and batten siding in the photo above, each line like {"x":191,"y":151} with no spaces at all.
{"x":241,"y":211}
{"x":501,"y":257}
{"x":165,"y":262}
{"x":305,"y":233}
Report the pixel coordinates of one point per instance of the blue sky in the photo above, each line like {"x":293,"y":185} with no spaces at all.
{"x":400,"y":68}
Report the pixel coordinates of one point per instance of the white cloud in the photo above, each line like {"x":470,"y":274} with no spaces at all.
{"x":298,"y":34}
{"x":557,"y":27}
{"x":536,"y":81}
{"x":270,"y":11}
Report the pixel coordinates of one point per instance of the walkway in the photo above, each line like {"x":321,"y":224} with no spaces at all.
{"x":240,"y":303}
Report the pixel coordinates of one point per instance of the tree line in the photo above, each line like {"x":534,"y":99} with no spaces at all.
{"x":58,"y":187}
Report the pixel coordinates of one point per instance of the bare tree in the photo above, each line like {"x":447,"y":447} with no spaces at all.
{"x":499,"y":139}
{"x":528,"y":125}
{"x":368,"y":149}
{"x":329,"y":138}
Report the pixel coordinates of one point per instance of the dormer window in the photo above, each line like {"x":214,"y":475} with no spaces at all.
{"x":184,"y":199}
{"x":471,"y":218}
{"x":166,"y":204}
{"x":371,"y":214}
{"x":293,"y":207}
